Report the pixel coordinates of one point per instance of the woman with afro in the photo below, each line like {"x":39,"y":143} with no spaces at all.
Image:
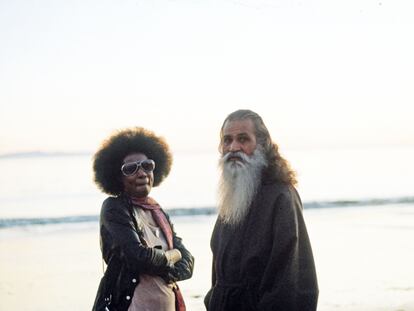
{"x":144,"y":256}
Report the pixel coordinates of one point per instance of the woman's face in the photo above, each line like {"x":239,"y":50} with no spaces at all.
{"x":140,"y":183}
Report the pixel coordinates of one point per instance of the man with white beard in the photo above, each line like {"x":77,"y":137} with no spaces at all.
{"x":239,"y":180}
{"x":262,"y":257}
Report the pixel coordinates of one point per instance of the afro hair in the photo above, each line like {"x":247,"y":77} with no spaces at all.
{"x":109,"y":158}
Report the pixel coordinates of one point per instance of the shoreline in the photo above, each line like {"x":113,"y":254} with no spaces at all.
{"x":362,"y":256}
{"x":10,"y":222}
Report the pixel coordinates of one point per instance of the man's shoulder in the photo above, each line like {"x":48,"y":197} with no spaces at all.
{"x":278,"y":188}
{"x":281,"y":192}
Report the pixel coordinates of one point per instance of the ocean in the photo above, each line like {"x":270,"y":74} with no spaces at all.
{"x":41,"y":188}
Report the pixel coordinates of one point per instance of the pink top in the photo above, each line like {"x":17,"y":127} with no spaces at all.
{"x":152,"y":292}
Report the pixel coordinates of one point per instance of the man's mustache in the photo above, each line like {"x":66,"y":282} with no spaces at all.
{"x":236,"y":155}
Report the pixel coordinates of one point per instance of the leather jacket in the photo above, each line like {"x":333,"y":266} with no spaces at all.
{"x":125,"y":252}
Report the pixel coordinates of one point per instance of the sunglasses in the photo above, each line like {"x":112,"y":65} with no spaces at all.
{"x":130,"y":168}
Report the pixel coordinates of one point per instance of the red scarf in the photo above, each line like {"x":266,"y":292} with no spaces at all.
{"x":150,"y":204}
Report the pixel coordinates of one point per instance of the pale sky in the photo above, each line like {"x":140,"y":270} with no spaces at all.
{"x":321,"y":73}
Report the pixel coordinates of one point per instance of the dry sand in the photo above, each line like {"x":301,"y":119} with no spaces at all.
{"x":364,"y":260}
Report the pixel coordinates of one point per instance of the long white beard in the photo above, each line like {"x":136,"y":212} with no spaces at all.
{"x":238,"y":184}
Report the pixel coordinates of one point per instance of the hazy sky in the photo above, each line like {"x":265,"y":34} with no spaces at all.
{"x":321,"y":73}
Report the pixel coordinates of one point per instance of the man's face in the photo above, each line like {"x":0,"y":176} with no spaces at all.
{"x":239,"y":135}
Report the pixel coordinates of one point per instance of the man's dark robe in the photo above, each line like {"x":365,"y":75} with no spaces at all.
{"x":266,"y":262}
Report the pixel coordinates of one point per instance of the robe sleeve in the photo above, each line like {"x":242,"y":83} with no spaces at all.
{"x":213,"y":282}
{"x":289,"y":281}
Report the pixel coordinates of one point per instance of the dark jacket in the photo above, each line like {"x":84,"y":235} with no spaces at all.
{"x":127,"y":256}
{"x":266,"y":262}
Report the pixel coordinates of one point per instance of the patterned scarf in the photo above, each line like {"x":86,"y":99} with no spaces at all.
{"x":148,"y":203}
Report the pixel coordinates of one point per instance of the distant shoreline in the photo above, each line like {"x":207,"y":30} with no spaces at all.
{"x":41,"y":154}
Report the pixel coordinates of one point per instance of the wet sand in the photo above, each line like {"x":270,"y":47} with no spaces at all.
{"x":363,"y":255}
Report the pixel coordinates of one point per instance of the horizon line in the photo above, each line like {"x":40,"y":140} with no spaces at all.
{"x":51,"y":153}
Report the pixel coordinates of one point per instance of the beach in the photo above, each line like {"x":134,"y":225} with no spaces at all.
{"x":332,"y":82}
{"x":363,"y":256}
{"x":361,"y":229}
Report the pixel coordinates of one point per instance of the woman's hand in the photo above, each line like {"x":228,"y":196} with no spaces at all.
{"x":173,"y":256}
